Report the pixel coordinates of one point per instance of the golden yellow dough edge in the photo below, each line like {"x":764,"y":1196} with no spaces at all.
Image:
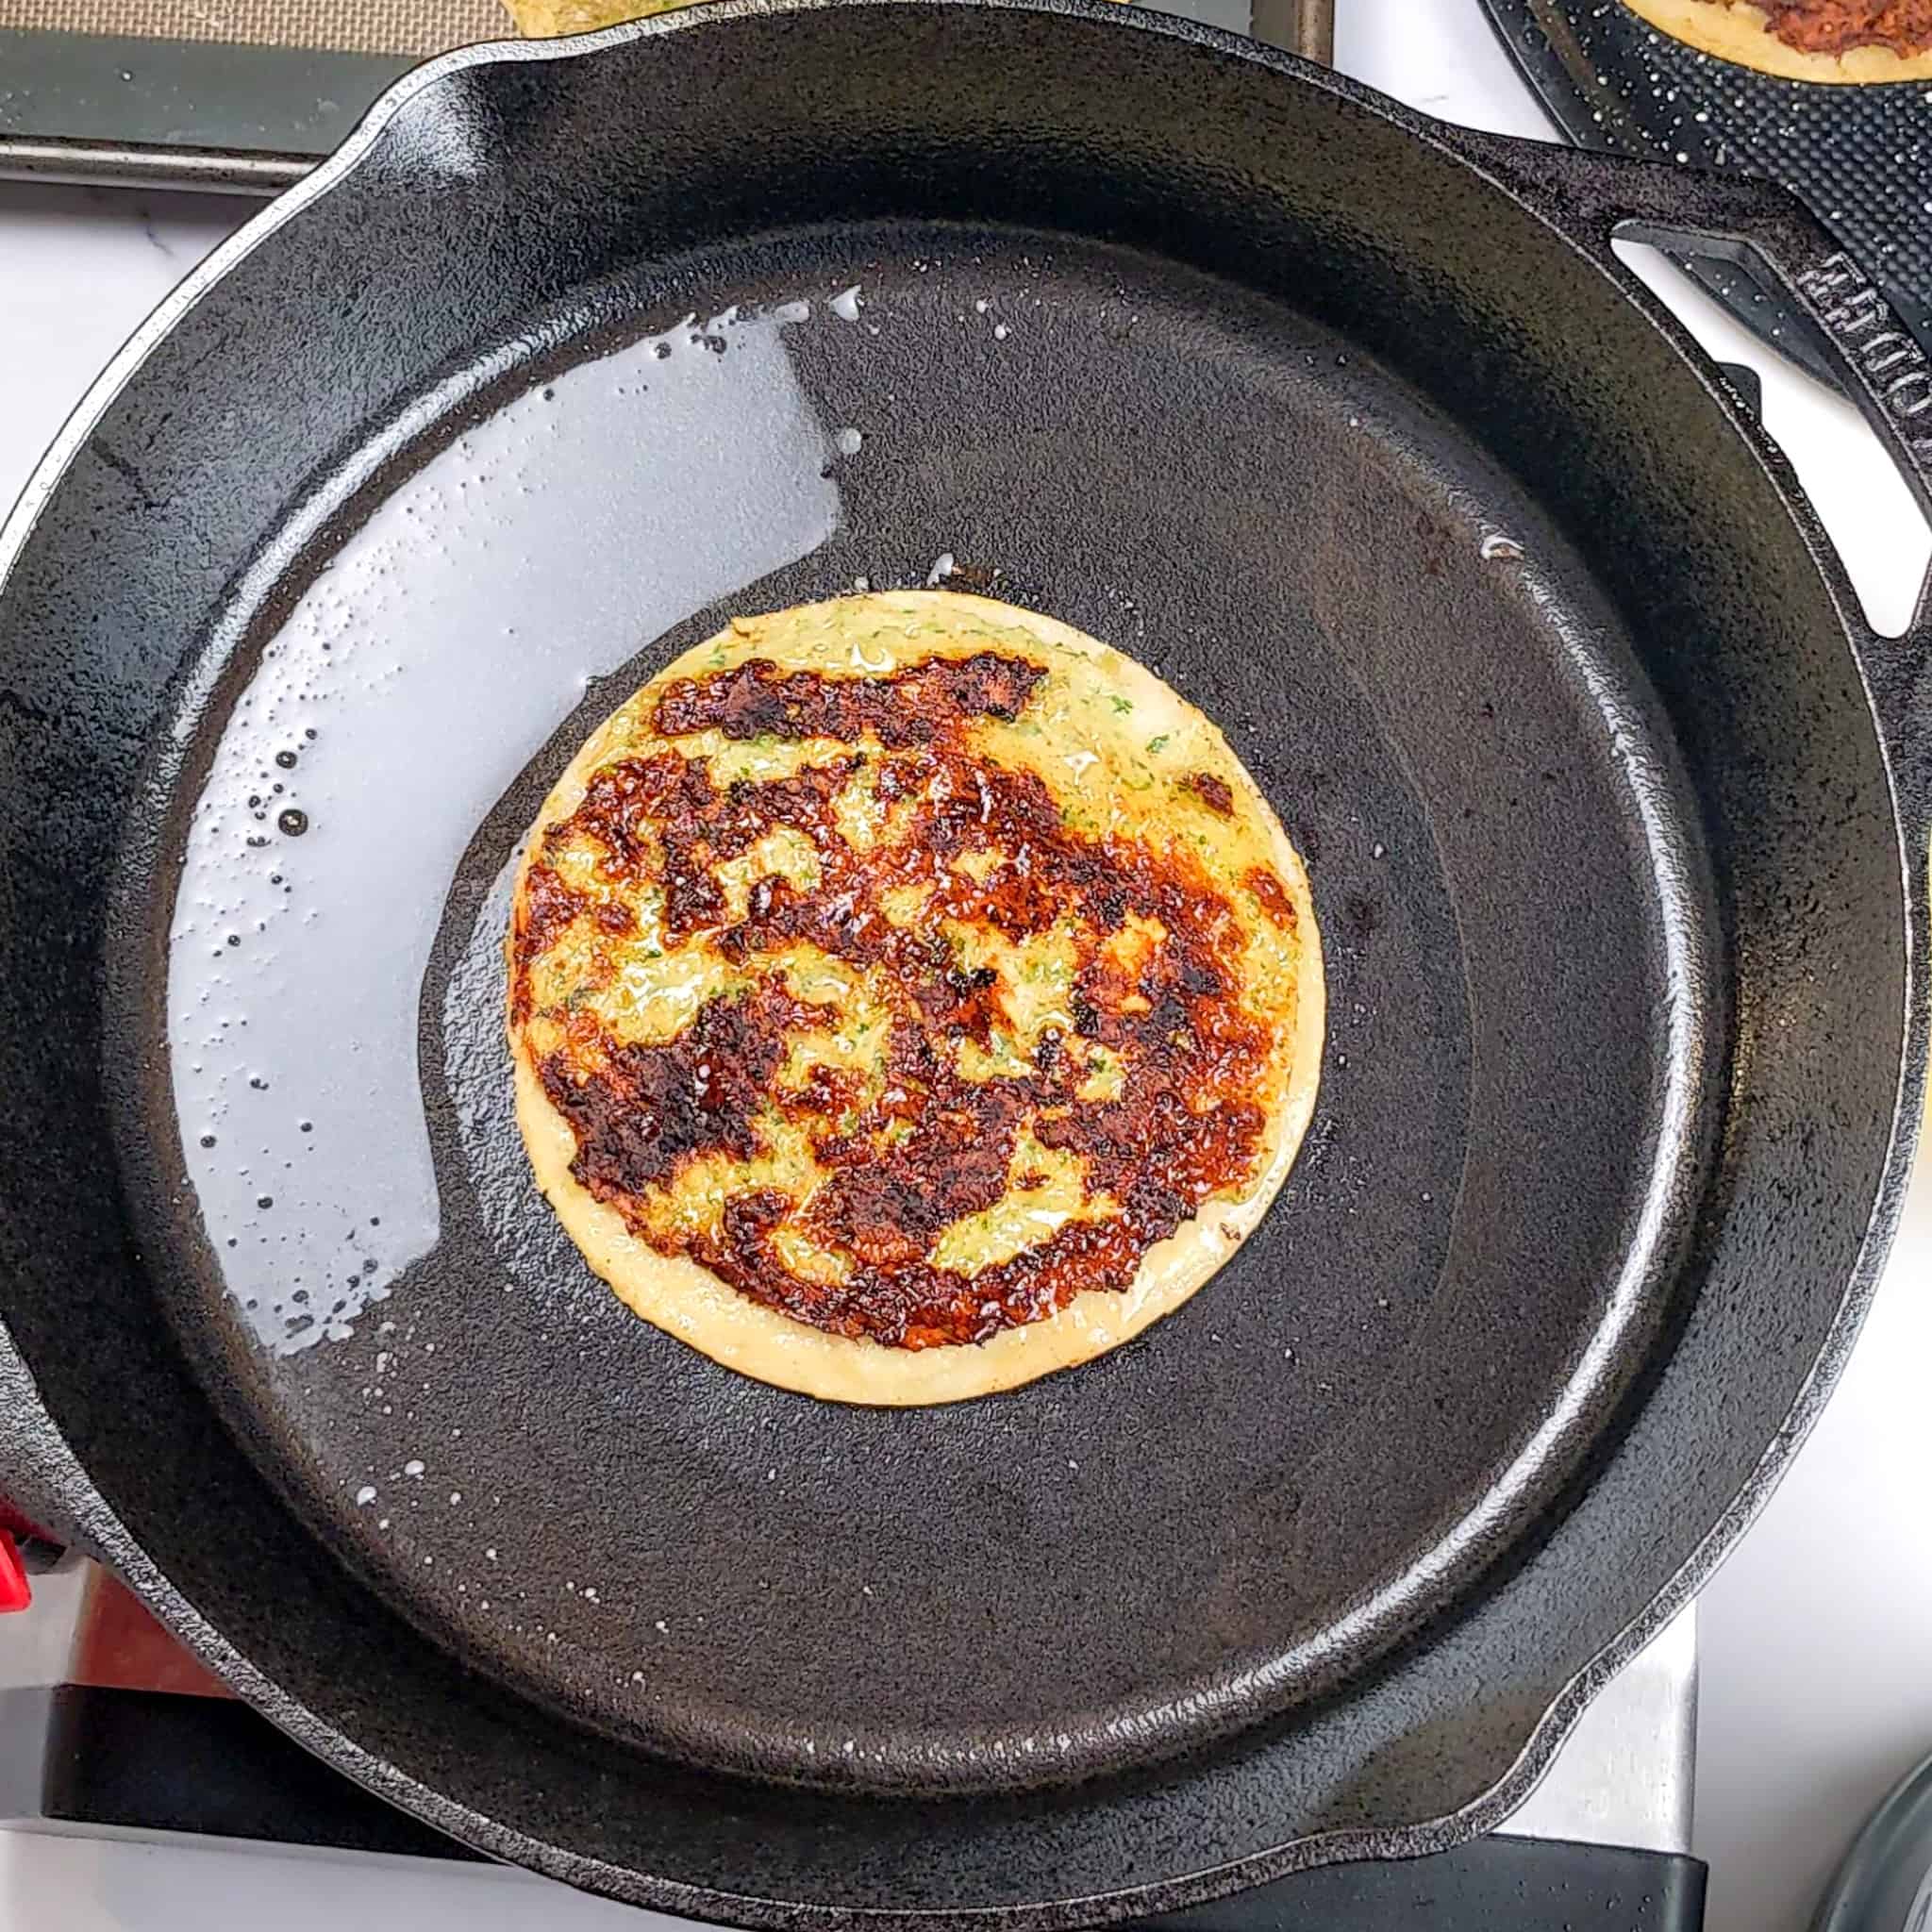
{"x":685,"y":1299}
{"x":1740,"y":34}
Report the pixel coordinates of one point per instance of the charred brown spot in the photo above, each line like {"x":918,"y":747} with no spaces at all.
{"x":1836,"y":27}
{"x":889,"y":1210}
{"x":668,"y":805}
{"x":829,"y":1091}
{"x":1213,"y":791}
{"x":648,"y":1107}
{"x":546,"y":908}
{"x":1270,"y":895}
{"x":981,"y":578}
{"x":906,"y":708}
{"x":906,"y":1153}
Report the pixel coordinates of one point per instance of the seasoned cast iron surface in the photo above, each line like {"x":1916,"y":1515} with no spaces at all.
{"x":1717,"y":859}
{"x":1127,"y":1558}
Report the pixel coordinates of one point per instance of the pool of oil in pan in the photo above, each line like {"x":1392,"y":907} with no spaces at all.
{"x":414,"y":680}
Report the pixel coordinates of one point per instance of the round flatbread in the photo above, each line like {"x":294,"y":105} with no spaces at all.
{"x":909,"y":996}
{"x":1817,"y":41}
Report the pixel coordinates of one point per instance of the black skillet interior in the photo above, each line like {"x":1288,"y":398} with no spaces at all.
{"x":1521,"y":642}
{"x":1191,"y":1534}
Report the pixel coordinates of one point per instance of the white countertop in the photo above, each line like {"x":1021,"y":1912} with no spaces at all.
{"x":1816,"y":1637}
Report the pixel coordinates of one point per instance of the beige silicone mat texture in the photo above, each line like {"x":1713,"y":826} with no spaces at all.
{"x":358,"y":26}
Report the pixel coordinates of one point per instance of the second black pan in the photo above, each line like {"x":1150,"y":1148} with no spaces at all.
{"x":1352,"y":430}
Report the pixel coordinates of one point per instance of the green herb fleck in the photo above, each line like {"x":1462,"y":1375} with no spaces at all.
{"x":1157,"y":743}
{"x":1123,"y":705}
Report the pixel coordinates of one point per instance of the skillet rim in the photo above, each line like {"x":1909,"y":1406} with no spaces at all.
{"x":51,"y":1482}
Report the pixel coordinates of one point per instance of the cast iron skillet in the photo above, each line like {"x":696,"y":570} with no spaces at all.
{"x":1352,"y":427}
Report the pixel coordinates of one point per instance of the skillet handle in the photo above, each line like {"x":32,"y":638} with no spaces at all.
{"x":1598,"y":198}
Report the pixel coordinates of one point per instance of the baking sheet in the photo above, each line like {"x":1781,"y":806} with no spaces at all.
{"x":249,"y":94}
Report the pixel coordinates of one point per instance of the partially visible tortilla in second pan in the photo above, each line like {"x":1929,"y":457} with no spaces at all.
{"x":1741,"y":33}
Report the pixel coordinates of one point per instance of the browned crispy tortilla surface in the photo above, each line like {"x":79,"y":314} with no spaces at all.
{"x":909,"y":995}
